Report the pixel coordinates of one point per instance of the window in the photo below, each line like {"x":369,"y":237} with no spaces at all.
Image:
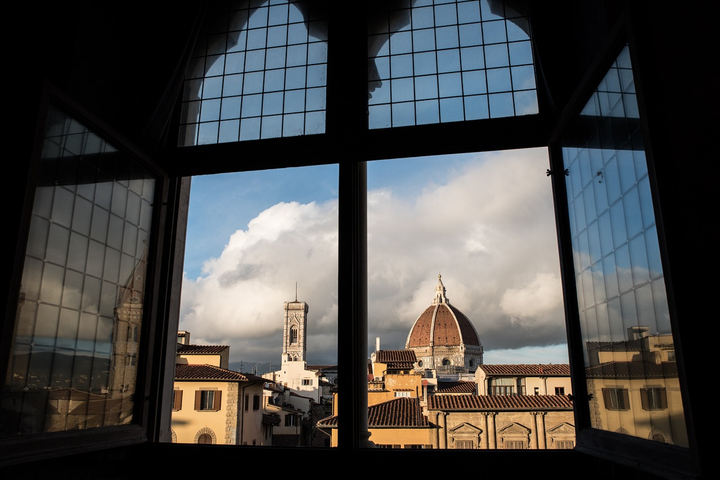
{"x":616,"y":398}
{"x":467,"y":444}
{"x":653,"y":398}
{"x":502,"y":386}
{"x":449,"y":62}
{"x":259,"y":70}
{"x":366,"y":147}
{"x":559,"y":390}
{"x":307,"y":381}
{"x":256,"y":402}
{"x":73,"y":362}
{"x":622,"y":298}
{"x":564,"y":444}
{"x":207,"y":400}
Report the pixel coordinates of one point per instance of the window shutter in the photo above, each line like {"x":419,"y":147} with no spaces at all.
{"x":625,"y":399}
{"x":198,"y":399}
{"x":644,"y":400}
{"x":216,"y":400}
{"x":606,"y":398}
{"x":177,"y":399}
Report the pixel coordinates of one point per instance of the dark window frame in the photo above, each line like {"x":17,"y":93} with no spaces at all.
{"x":376,"y":145}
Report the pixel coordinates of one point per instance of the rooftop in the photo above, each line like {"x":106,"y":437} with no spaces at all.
{"x":400,"y":412}
{"x":209,"y":372}
{"x":499,"y":402}
{"x":200,"y":349}
{"x":545,"y":370}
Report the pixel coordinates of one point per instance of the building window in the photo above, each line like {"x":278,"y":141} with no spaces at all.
{"x":616,"y":398}
{"x":307,"y":381}
{"x":653,"y":398}
{"x":256,"y":402}
{"x":559,"y":390}
{"x":502,"y":386}
{"x":293,"y":335}
{"x":464,"y":444}
{"x":401,"y":394}
{"x":207,"y":400}
{"x":564,"y":444}
{"x":515,"y":445}
{"x":290,"y":420}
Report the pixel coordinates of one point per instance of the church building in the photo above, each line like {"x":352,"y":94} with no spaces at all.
{"x":443,"y":338}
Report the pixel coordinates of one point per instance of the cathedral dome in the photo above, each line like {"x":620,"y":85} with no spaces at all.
{"x":443,"y":335}
{"x":442,"y":324}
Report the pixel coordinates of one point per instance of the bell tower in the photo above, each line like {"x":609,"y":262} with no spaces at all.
{"x":295,"y":331}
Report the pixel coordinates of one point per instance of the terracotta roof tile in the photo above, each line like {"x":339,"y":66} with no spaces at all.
{"x":499,"y":402}
{"x":397,"y":359}
{"x":456,"y":387}
{"x":200,"y":349}
{"x":545,"y":370}
{"x":209,"y":372}
{"x":399,"y":412}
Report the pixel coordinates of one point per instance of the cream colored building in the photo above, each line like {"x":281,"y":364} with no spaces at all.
{"x":523,"y":379}
{"x":212,"y":404}
{"x":635,"y":387}
{"x":502,"y":422}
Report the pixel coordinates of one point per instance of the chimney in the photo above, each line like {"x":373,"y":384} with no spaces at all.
{"x":184,"y":337}
{"x":377,"y":344}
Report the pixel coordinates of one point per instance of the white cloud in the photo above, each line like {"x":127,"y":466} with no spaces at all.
{"x":488,"y":229}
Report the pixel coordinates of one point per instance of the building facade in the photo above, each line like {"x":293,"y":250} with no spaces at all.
{"x":212,"y":404}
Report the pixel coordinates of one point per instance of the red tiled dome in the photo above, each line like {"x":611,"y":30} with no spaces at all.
{"x":442,"y":324}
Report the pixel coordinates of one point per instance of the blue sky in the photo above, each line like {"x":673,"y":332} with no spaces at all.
{"x":485,"y":222}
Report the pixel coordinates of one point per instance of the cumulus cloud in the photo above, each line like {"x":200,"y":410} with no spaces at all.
{"x":485,"y":223}
{"x":238,"y":300}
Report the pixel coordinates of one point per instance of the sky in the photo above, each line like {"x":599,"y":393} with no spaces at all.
{"x":484,"y":222}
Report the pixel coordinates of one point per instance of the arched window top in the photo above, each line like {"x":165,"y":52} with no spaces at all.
{"x":449,"y":61}
{"x":259,"y":70}
{"x":293,"y":334}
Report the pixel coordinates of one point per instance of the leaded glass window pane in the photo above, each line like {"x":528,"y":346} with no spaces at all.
{"x":74,"y":358}
{"x":259,"y":70}
{"x":449,"y":61}
{"x":623,"y":307}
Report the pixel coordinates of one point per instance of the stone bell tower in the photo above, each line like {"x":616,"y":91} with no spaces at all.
{"x":295,"y":331}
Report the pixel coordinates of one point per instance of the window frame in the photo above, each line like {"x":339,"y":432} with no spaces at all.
{"x":152,"y":378}
{"x":612,"y":446}
{"x":392,"y":143}
{"x":201,"y":400}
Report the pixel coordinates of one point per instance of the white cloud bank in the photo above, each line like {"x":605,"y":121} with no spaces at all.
{"x":488,"y":228}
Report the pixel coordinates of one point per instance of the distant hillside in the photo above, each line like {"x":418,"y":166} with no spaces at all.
{"x":42,"y":370}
